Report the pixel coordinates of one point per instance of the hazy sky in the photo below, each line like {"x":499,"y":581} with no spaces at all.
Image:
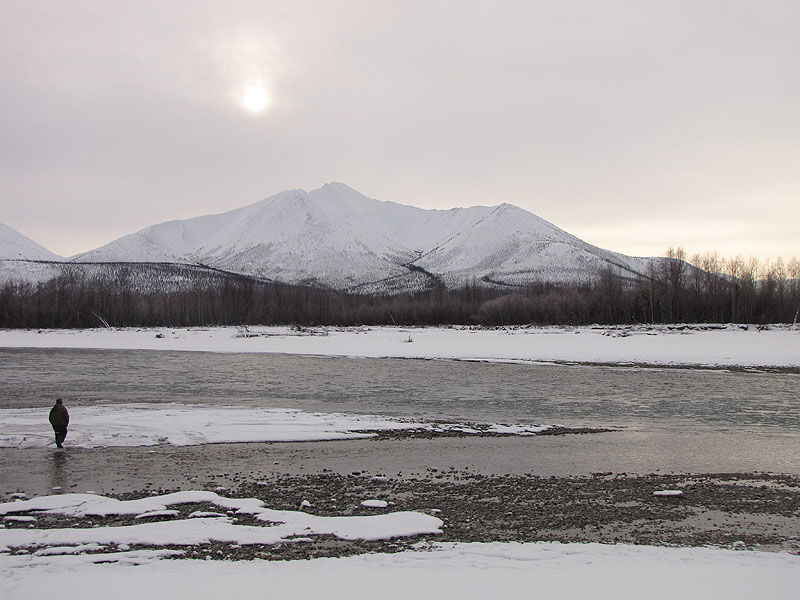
{"x":633,"y":124}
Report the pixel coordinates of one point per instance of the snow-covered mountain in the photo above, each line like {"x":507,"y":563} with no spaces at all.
{"x":22,"y":259}
{"x":15,"y":246}
{"x":336,"y":237}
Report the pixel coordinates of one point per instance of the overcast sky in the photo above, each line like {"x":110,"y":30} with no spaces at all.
{"x":633,"y":124}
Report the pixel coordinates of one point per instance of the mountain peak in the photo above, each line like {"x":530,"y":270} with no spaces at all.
{"x":338,"y":185}
{"x":15,"y":246}
{"x":337,"y":191}
{"x":336,"y":237}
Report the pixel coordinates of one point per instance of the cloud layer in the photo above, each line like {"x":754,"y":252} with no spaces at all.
{"x":635,"y":126}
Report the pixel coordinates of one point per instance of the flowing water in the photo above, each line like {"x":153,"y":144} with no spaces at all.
{"x":675,"y":419}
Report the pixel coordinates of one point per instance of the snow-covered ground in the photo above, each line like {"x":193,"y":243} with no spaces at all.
{"x":728,"y":346}
{"x":86,"y":562}
{"x":190,"y":425}
{"x":463,"y":571}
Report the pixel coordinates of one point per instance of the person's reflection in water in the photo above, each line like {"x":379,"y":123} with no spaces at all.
{"x":58,"y":472}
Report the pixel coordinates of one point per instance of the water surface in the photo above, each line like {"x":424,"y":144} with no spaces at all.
{"x":674,"y":417}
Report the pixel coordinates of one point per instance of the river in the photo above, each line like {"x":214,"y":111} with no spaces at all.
{"x":679,"y":420}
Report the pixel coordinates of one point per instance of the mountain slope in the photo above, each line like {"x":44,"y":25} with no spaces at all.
{"x":513,"y":246}
{"x":15,"y":246}
{"x":336,"y":237}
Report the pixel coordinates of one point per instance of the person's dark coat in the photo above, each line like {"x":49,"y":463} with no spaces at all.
{"x":59,"y":417}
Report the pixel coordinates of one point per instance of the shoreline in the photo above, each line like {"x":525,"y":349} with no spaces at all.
{"x":125,"y":469}
{"x":773,"y":348}
{"x":744,"y":511}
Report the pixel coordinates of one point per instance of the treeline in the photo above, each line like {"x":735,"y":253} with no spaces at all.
{"x":705,"y":288}
{"x":710,"y":288}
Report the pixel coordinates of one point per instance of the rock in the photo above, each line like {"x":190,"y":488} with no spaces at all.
{"x":374,"y":504}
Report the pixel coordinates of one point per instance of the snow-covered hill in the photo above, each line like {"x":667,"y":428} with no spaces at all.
{"x":22,"y":259}
{"x":336,"y":237}
{"x":15,"y":246}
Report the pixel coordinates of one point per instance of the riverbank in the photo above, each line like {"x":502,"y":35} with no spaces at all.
{"x":463,"y":571}
{"x":774,"y":347}
{"x":739,"y":511}
{"x":622,"y":532}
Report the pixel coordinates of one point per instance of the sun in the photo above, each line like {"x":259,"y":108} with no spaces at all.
{"x":254,"y":98}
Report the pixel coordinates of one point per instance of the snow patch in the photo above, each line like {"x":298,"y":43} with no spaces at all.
{"x":280,"y":525}
{"x":668,"y":493}
{"x":186,"y":425}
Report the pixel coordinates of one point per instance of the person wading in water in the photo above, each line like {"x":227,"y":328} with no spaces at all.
{"x":59,"y":419}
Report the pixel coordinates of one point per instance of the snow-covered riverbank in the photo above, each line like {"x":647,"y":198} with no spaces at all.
{"x":84,"y":562}
{"x":697,"y":346}
{"x":463,"y":571}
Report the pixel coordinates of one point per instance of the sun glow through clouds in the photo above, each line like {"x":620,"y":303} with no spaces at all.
{"x":254,"y":98}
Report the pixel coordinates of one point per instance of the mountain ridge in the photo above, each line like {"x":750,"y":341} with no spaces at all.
{"x":335,"y":237}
